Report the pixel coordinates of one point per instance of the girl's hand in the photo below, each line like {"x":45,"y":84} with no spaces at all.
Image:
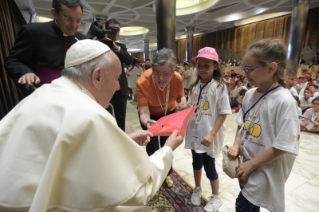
{"x":181,"y":106}
{"x":242,"y":170}
{"x":233,"y":152}
{"x":315,"y":123}
{"x":302,"y":106}
{"x":149,"y":123}
{"x":208,"y":140}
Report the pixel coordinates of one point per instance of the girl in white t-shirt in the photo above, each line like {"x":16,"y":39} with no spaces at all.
{"x":206,"y":127}
{"x":267,"y":138}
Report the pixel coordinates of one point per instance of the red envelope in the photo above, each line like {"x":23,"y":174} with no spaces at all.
{"x":176,"y":121}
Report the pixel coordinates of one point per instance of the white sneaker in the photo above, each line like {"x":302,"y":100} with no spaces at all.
{"x":196,"y":196}
{"x":213,"y":203}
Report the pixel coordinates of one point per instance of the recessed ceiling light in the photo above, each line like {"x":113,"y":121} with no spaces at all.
{"x":184,"y":36}
{"x":133,"y":50}
{"x":259,"y":18}
{"x":42,"y":19}
{"x":133,"y":30}
{"x":152,"y":45}
{"x":185,"y":7}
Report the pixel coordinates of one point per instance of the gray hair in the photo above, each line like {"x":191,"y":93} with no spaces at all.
{"x":83,"y":72}
{"x":164,"y":56}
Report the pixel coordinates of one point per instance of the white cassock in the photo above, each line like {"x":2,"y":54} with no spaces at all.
{"x":61,"y":151}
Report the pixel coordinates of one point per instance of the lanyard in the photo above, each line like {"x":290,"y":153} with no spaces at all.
{"x":245,"y":113}
{"x":200,"y":92}
{"x":167,"y":97}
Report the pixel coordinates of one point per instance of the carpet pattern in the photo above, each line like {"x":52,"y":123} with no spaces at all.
{"x":175,"y":199}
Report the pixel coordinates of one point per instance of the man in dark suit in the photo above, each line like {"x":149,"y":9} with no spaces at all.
{"x":39,"y":51}
{"x":119,"y":99}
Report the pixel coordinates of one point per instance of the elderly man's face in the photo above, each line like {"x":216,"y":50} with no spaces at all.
{"x":106,"y":82}
{"x":68,"y":20}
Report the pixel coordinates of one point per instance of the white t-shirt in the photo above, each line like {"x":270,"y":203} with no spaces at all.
{"x":213,"y":102}
{"x":311,"y":115}
{"x":234,"y":92}
{"x":133,"y":76}
{"x":240,"y":99}
{"x":186,"y":73}
{"x":293,"y":91}
{"x":193,"y":74}
{"x":299,"y":112}
{"x":304,"y":84}
{"x":273,"y":122}
{"x":306,"y":102}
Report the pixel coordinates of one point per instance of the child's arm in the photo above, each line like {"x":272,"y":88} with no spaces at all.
{"x":271,"y":154}
{"x":208,"y":139}
{"x":234,"y":150}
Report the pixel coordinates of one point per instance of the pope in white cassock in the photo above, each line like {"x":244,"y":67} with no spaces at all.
{"x":60,"y":150}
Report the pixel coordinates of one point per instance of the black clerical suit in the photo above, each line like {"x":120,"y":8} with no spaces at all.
{"x":119,"y":99}
{"x":39,"y":48}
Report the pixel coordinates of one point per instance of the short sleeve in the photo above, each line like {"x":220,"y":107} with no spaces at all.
{"x":223,"y":106}
{"x":141,"y":99}
{"x":307,"y":114}
{"x":287,"y":127}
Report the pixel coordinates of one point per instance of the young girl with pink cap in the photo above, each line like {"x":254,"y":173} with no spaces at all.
{"x":206,"y":128}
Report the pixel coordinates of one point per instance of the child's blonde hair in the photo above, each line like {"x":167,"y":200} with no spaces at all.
{"x":268,"y":51}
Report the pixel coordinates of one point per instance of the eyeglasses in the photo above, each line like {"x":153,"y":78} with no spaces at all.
{"x":165,"y":75}
{"x":316,"y":104}
{"x":248,"y":70}
{"x":71,"y":20}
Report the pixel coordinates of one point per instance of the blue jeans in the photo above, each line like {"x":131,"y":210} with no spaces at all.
{"x":243,"y":205}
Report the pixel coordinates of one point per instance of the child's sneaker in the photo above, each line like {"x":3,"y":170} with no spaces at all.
{"x":213,"y":204}
{"x":196,"y":196}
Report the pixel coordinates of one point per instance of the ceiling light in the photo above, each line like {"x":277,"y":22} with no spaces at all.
{"x":152,"y":45}
{"x":184,"y":36}
{"x":133,"y":30}
{"x":259,"y":18}
{"x":185,"y":7}
{"x":133,"y":50}
{"x":42,"y":19}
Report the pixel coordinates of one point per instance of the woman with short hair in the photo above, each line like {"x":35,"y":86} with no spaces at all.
{"x":159,"y":89}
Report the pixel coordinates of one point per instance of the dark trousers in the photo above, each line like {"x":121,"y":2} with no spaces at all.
{"x":119,"y":103}
{"x":200,"y":159}
{"x":152,"y":146}
{"x":233,"y":103}
{"x":242,"y":204}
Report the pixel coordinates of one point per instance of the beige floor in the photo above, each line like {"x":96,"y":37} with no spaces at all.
{"x":302,"y":187}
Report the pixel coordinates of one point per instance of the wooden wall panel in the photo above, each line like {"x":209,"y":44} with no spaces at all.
{"x":233,"y":42}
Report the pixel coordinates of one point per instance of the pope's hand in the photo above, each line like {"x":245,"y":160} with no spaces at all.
{"x":142,"y":137}
{"x":29,"y":78}
{"x":174,"y":141}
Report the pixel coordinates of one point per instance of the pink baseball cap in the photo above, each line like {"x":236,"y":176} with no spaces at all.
{"x":208,"y":53}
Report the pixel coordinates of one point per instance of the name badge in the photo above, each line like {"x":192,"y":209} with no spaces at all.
{"x":196,"y":136}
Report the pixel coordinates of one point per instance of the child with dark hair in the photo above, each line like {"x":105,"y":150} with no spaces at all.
{"x":206,"y":128}
{"x":311,"y":118}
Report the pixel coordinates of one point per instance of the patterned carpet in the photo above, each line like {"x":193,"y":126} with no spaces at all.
{"x":176,"y":199}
